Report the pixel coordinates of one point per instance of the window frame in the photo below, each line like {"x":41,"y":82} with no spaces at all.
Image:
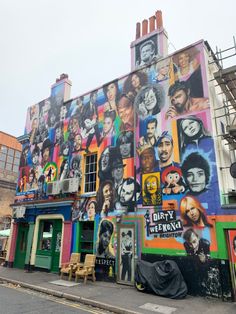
{"x":90,"y":173}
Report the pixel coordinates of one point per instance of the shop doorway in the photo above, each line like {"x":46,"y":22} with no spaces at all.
{"x":21,"y":245}
{"x":232,"y":258}
{"x":49,"y":245}
{"x":126,"y":253}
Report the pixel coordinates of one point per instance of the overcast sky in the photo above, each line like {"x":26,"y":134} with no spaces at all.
{"x":90,"y":41}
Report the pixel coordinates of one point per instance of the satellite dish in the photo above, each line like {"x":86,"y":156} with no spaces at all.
{"x":233,"y":170}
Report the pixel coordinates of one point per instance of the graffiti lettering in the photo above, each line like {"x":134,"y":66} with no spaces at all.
{"x":103,"y":261}
{"x":166,"y":215}
{"x":173,"y":226}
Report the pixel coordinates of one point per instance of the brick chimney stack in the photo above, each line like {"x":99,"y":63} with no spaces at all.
{"x":153,"y":23}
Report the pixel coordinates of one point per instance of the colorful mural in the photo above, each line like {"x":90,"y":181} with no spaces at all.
{"x":154,"y":164}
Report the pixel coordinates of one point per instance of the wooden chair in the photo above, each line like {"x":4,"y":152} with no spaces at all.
{"x":70,"y":267}
{"x":87,"y":269}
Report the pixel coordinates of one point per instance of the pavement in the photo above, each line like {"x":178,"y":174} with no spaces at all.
{"x":114,"y":297}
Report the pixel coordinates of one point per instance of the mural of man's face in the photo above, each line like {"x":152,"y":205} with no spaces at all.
{"x":165,"y":149}
{"x":77,"y":141}
{"x":107,"y":192}
{"x":118,"y":173}
{"x":151,"y":128}
{"x":147,"y":53}
{"x":35,"y":158}
{"x":126,"y":193}
{"x":179,"y":100}
{"x":107,"y":125}
{"x":194,"y":242}
{"x":147,"y":160}
{"x":196,"y":179}
{"x":105,"y":157}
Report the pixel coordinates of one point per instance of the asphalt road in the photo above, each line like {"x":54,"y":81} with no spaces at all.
{"x":17,"y":300}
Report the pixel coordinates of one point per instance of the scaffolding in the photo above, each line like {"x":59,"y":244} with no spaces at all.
{"x":225,"y":114}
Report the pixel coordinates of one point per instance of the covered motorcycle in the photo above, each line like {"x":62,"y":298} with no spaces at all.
{"x":162,"y":278}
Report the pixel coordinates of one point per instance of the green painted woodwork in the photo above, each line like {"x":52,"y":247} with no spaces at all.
{"x":43,"y":261}
{"x":29,"y":243}
{"x":21,"y":245}
{"x":221,"y":238}
{"x":49,"y":244}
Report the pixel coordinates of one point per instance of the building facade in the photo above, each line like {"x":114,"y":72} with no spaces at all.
{"x":130,"y":170}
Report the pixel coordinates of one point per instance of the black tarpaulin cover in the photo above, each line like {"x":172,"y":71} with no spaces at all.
{"x":163,"y":278}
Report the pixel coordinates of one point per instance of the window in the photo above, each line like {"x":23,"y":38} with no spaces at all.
{"x":90,"y":173}
{"x":45,"y":238}
{"x":9,"y":159}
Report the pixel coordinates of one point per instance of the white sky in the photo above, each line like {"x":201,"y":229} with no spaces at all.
{"x":90,"y":41}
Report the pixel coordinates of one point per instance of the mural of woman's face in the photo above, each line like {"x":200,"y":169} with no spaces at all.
{"x":91,"y":210}
{"x":31,"y":177}
{"x":107,"y":125}
{"x":105,"y":157}
{"x":150,"y":100}
{"x":111,"y":92}
{"x":183,"y":60}
{"x":151,"y":185}
{"x":191,"y":127}
{"x":135,"y":81}
{"x":105,"y":238}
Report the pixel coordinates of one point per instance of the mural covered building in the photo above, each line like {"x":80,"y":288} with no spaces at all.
{"x":129,"y":171}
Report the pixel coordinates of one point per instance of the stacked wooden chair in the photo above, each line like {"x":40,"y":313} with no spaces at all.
{"x":87,"y":269}
{"x":70,"y":267}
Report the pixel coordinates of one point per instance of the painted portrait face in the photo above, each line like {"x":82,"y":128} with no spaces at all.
{"x":196,"y":179}
{"x":118,"y":173}
{"x":75,"y":165}
{"x":192,"y":212}
{"x":151,"y":185}
{"x":111,"y":92}
{"x":46,"y":154}
{"x":126,"y":193}
{"x":146,"y":53}
{"x":77,"y":142}
{"x":135,"y":81}
{"x":194,"y":242}
{"x":183,"y":60}
{"x":31,"y":177}
{"x":105,"y":157}
{"x":74,"y":125}
{"x":107,"y":192}
{"x":150,"y":100}
{"x":107,"y":125}
{"x":191,"y":127}
{"x":165,"y":149}
{"x":66,"y":150}
{"x":105,"y":238}
{"x":172,"y":178}
{"x":125,"y":150}
{"x":91,"y":210}
{"x":35,"y":158}
{"x":179,"y":100}
{"x":125,"y":110}
{"x":147,"y":160}
{"x":151,"y":129}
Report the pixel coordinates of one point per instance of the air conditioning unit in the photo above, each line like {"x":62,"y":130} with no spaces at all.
{"x":70,"y":185}
{"x":53,"y":188}
{"x":232,"y":130}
